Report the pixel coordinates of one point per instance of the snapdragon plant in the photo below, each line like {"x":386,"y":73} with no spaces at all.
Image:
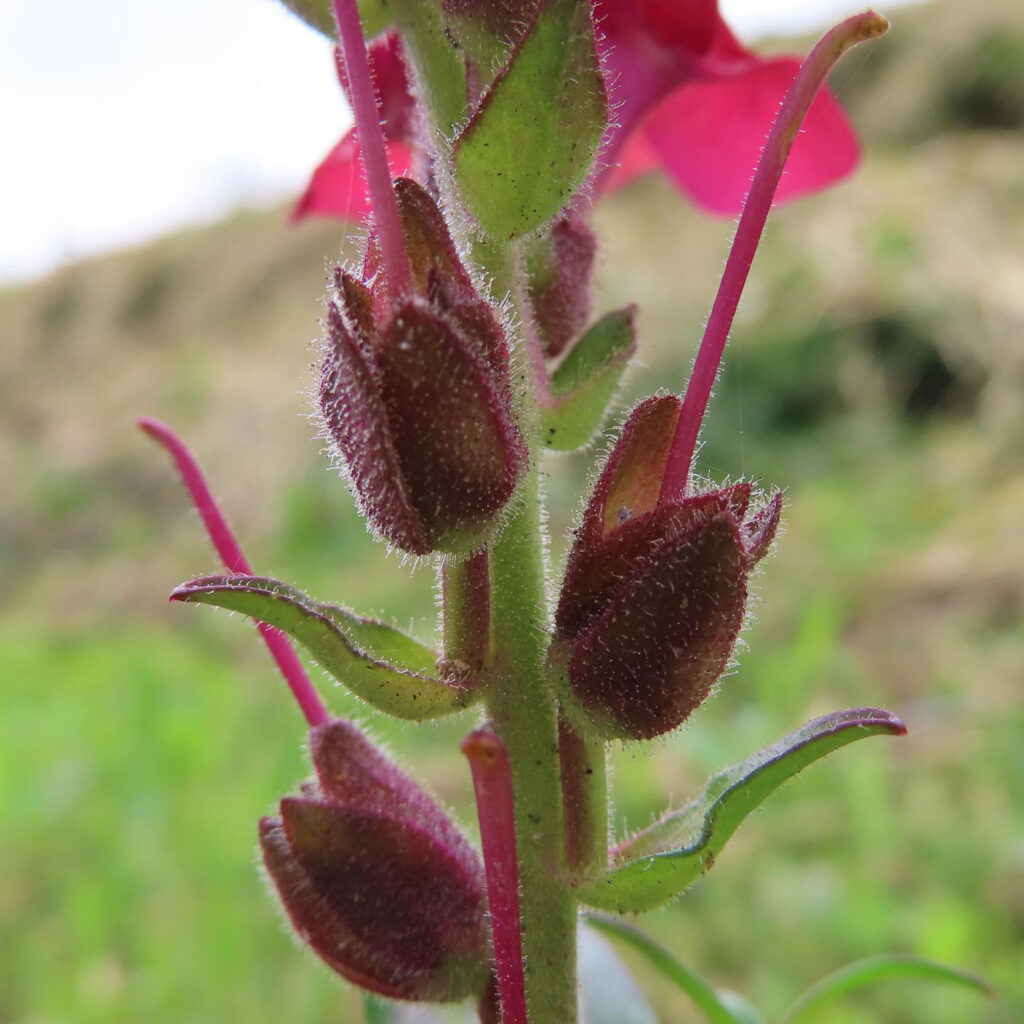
{"x":458,"y":350}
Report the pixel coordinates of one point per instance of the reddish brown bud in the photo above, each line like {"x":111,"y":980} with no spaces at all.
{"x":560,"y":268}
{"x":654,"y":595}
{"x":375,"y":877}
{"x":653,"y":655}
{"x":415,"y":394}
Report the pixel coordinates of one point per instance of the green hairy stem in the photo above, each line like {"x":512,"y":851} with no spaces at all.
{"x":523,"y":714}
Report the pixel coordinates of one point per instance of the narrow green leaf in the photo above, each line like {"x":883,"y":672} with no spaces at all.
{"x":714,"y":1006}
{"x":743,"y":1011}
{"x":585,"y":381}
{"x":610,"y":992}
{"x":377,"y":662}
{"x":872,"y":970}
{"x":529,"y":145}
{"x":655,"y":865}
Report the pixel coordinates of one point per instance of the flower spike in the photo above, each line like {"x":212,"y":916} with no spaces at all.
{"x":808,"y":81}
{"x":235,"y":561}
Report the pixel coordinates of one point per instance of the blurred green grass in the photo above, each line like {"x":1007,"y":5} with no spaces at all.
{"x":875,"y":372}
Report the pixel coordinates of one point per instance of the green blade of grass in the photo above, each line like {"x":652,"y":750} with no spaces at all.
{"x":703,"y":995}
{"x":873,"y":969}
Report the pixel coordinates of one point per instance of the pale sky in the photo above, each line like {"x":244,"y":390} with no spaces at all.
{"x":121,"y":120}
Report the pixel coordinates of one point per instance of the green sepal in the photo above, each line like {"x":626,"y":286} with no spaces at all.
{"x":375,"y":15}
{"x":871,"y":970}
{"x":584,"y":384}
{"x":378,"y":663}
{"x":440,"y":70}
{"x":530,"y":142}
{"x":658,"y":863}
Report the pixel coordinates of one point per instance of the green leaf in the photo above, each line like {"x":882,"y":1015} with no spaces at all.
{"x":610,"y":992}
{"x":714,"y":1005}
{"x":529,"y":145}
{"x":874,"y":969}
{"x":377,"y":662}
{"x":585,"y":381}
{"x":657,"y":864}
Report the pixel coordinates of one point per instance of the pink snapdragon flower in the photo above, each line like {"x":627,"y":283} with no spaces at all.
{"x":338,"y":185}
{"x":689,"y":100}
{"x":696,"y":104}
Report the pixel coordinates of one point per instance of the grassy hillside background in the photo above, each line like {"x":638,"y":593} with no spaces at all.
{"x":876,"y":373}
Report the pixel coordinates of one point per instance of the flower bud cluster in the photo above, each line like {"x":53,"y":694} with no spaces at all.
{"x":415,"y":393}
{"x":375,"y":877}
{"x":654,"y":593}
{"x":560,"y":270}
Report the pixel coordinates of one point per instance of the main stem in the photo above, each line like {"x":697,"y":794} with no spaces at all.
{"x":523,"y":714}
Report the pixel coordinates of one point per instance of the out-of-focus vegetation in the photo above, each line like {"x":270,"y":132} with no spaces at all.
{"x":876,"y":372}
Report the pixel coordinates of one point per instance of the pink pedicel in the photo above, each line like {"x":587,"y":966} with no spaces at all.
{"x":371,"y":146}
{"x":235,"y":561}
{"x":784,"y":133}
{"x":495,"y":802}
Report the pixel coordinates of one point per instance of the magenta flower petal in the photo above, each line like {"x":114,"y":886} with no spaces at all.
{"x":708,"y":136}
{"x":693,"y":101}
{"x":338,"y":185}
{"x":636,"y":158}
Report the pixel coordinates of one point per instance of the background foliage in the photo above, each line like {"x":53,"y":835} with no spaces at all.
{"x":876,"y":371}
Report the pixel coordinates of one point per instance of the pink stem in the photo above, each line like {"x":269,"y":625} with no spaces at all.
{"x":371,"y":147}
{"x":808,"y":81}
{"x":495,"y":805}
{"x":235,"y":561}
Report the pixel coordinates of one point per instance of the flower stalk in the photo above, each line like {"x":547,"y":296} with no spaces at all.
{"x":225,"y":544}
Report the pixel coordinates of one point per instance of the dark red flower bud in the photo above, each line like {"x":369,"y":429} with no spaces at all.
{"x":654,"y":594}
{"x":560,"y":267}
{"x":415,"y":393}
{"x":375,"y":877}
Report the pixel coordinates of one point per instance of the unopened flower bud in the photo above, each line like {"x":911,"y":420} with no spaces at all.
{"x":560,"y":266}
{"x":415,"y":394}
{"x":375,"y":877}
{"x":654,"y":594}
